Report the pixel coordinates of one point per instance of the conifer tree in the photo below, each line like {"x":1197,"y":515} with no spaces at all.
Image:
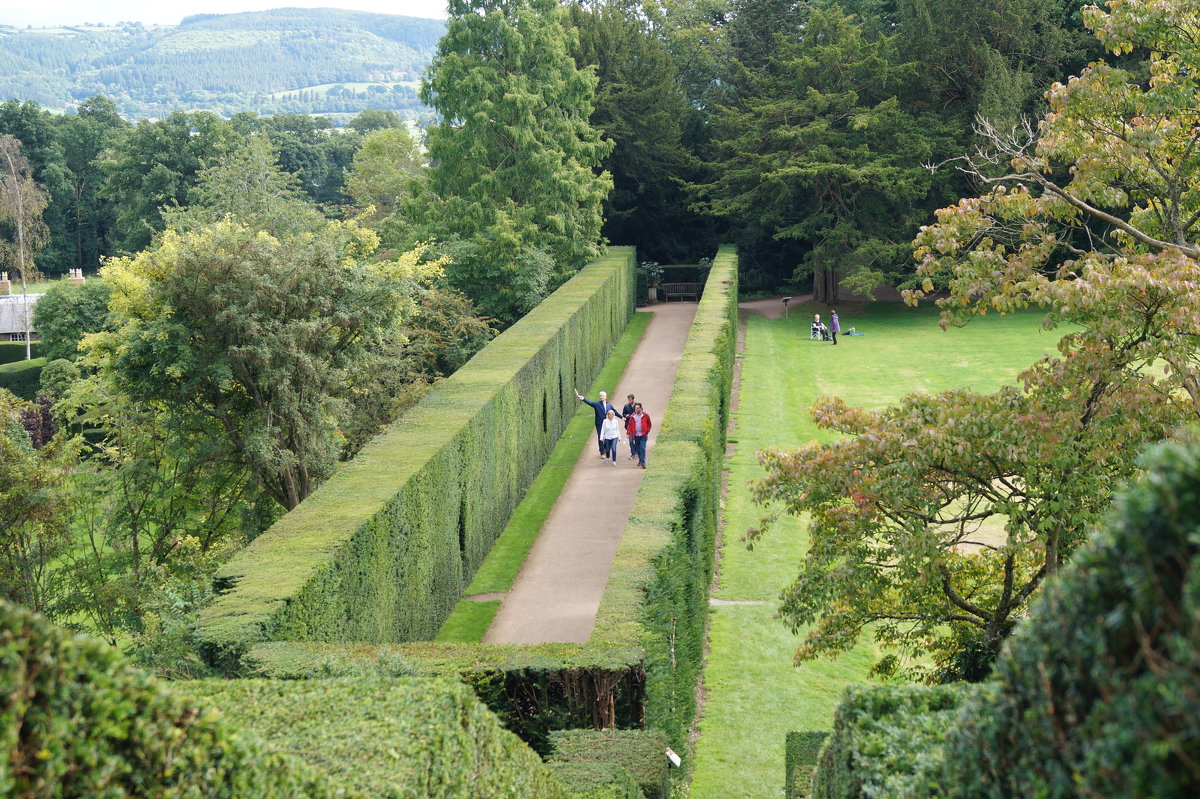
{"x":515,"y":187}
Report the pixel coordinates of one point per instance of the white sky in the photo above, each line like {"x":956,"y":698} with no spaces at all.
{"x":44,"y":13}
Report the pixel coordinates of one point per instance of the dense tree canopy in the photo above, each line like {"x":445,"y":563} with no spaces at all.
{"x":514,"y":183}
{"x":1111,"y":252}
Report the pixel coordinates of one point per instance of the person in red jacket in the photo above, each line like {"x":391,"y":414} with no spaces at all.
{"x":637,"y":425}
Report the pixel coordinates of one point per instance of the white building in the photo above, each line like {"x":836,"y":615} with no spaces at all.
{"x":13,"y":308}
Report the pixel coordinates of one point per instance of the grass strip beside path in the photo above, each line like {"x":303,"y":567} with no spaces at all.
{"x":470,"y":620}
{"x":754,"y":695}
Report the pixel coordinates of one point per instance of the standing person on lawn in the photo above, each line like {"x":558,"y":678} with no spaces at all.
{"x":835,"y":326}
{"x":628,"y":409}
{"x":610,"y":435}
{"x":601,"y":408}
{"x":637,"y":425}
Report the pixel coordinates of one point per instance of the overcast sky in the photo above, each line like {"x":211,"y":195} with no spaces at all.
{"x":42,"y":13}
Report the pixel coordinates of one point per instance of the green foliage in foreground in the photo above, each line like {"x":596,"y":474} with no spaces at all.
{"x":1095,"y":694}
{"x":640,"y":752}
{"x":22,"y":377}
{"x":882,"y":740}
{"x":77,"y":720}
{"x":387,"y":738}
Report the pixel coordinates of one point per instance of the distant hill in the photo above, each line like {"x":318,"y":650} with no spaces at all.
{"x":289,"y":60}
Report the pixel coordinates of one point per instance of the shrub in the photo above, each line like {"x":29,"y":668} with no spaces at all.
{"x":1096,"y":693}
{"x":390,"y":738}
{"x":596,"y":781}
{"x":382,"y":551}
{"x":77,"y":720}
{"x":22,"y":377}
{"x":800,"y":753}
{"x":69,"y":311}
{"x":640,"y":752}
{"x":885,"y":740}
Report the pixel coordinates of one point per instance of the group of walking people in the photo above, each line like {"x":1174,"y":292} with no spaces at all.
{"x":608,"y":430}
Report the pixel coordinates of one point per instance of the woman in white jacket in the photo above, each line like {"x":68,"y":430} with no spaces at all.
{"x":610,"y":435}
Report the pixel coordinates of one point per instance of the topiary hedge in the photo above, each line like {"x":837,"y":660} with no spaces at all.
{"x":382,"y":551}
{"x":1098,"y":692}
{"x":885,"y":740}
{"x":640,"y":752}
{"x":11,"y":351}
{"x":387,"y":737}
{"x":800,"y":753}
{"x":77,"y":721}
{"x":596,"y":781}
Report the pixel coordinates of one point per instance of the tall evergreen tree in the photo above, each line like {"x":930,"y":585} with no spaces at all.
{"x":514,"y":186}
{"x":641,"y":107}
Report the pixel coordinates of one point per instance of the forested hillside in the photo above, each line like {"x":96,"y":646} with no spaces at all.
{"x":283,"y":61}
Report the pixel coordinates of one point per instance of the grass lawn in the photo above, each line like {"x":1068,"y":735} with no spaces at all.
{"x":469,"y":621}
{"x":754,"y":693}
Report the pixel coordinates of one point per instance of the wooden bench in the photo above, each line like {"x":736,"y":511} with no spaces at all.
{"x":679,"y":291}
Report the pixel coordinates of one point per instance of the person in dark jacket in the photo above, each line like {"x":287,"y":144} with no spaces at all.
{"x":835,"y":326}
{"x":628,"y":409}
{"x":637,"y":425}
{"x":601,"y":407}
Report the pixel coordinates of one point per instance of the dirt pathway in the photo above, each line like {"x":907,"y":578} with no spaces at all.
{"x":557,"y":593}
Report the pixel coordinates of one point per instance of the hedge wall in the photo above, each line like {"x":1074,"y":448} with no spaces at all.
{"x":800,"y":754}
{"x":596,"y":781}
{"x":657,"y":592}
{"x":387,"y":738}
{"x":382,"y":551}
{"x":77,"y":721}
{"x":885,"y":740}
{"x":641,"y":665}
{"x":640,"y":752}
{"x":11,"y":351}
{"x":1098,"y":692}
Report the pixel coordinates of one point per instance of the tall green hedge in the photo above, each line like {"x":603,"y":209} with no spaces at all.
{"x":387,"y":738}
{"x":641,"y":665}
{"x":11,"y":351}
{"x":885,"y":740}
{"x":382,"y":551}
{"x":657,"y":592}
{"x":596,"y":781}
{"x":77,"y":721}
{"x":1098,"y":692}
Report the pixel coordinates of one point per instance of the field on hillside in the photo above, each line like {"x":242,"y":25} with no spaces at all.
{"x":754,"y":693}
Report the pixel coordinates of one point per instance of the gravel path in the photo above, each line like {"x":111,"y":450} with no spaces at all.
{"x":557,"y":593}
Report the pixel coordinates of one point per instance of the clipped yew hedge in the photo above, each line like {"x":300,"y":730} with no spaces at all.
{"x":76,"y":720}
{"x":405,"y":738}
{"x":641,"y":665}
{"x":1098,"y":692}
{"x":800,"y":753}
{"x":596,"y":781}
{"x":382,"y":551}
{"x":642,"y":753}
{"x":885,"y":740}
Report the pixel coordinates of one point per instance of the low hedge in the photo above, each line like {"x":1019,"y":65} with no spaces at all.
{"x":387,"y":738}
{"x":382,"y":551}
{"x":22,"y":378}
{"x":800,"y":753}
{"x":11,"y":351}
{"x":77,"y":721}
{"x":533,"y":689}
{"x":640,"y":752}
{"x":885,"y":740}
{"x":1096,"y":693}
{"x":596,"y":781}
